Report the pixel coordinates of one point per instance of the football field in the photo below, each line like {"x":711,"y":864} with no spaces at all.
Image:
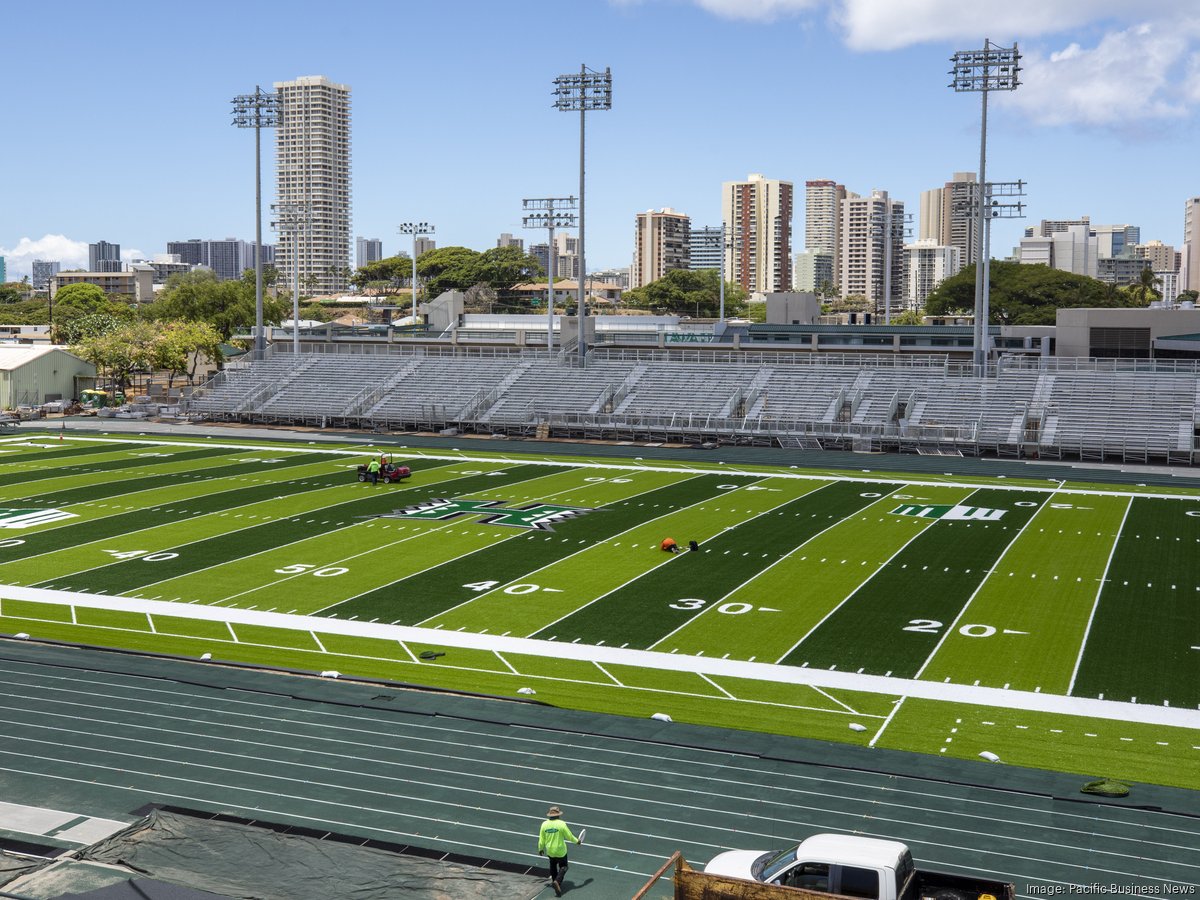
{"x":1053,"y":624}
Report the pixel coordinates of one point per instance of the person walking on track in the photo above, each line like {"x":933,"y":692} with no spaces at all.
{"x":552,"y":841}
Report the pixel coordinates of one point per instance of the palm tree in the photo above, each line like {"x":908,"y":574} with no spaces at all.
{"x":1145,"y":290}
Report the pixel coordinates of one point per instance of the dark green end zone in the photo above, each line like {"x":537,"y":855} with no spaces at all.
{"x":426,"y":594}
{"x":127,"y":575}
{"x":1146,"y":629}
{"x":931,"y":580}
{"x":639,"y":614}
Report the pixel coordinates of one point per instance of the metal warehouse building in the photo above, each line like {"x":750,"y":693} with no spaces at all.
{"x":30,"y":376}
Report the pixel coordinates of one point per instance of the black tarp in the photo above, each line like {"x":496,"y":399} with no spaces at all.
{"x":250,"y":863}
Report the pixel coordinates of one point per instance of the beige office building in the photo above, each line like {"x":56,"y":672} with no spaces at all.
{"x":137,"y":284}
{"x":823,"y":219}
{"x":1162,"y":257}
{"x":1190,"y":276}
{"x":661,"y":242}
{"x":313,"y":167}
{"x":873,"y":247}
{"x":948,"y":215}
{"x":757,"y":214}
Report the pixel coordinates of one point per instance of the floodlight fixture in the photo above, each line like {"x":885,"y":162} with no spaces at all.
{"x":550,"y":213}
{"x":259,"y":110}
{"x":584,"y":91}
{"x":416,"y":229}
{"x":993,"y":68}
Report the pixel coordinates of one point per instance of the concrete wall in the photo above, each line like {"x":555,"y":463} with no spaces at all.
{"x":1074,"y":325}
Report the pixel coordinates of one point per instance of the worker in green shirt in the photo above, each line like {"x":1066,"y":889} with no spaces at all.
{"x":373,"y":470}
{"x":552,"y":841}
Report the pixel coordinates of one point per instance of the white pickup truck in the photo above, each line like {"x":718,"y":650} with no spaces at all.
{"x":852,"y":866}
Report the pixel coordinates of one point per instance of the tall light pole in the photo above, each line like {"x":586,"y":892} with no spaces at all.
{"x":258,"y":111}
{"x":294,"y":219}
{"x":416,"y":229}
{"x":550,"y":213}
{"x":723,"y":241}
{"x":994,"y":68}
{"x":587,"y":90}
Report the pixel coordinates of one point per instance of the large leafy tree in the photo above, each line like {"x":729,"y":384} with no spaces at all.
{"x":448,"y":269}
{"x":1024,"y":294}
{"x":502,"y":267}
{"x":687,"y":292}
{"x":384,"y":276}
{"x":84,"y":297}
{"x":180,"y":347}
{"x":226,"y":305}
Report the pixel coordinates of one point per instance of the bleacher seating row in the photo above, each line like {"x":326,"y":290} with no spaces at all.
{"x":1022,"y":411}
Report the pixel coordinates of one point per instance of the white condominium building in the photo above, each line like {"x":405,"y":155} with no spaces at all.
{"x":757,"y":214}
{"x":823,"y":219}
{"x":928,"y":264}
{"x":1190,"y":275}
{"x":661,"y":242}
{"x":313,"y":167}
{"x":872,"y":256}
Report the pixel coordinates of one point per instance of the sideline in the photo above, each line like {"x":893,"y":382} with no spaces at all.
{"x":701,"y":665}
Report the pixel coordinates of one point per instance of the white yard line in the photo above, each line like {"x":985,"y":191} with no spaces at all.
{"x":767,"y":672}
{"x":670,"y":556}
{"x":717,"y":686}
{"x":834,"y":699}
{"x":1096,"y":603}
{"x":895,"y":709}
{"x":527,"y":575}
{"x":987,"y":575}
{"x":861,"y":585}
{"x":899,"y":477}
{"x":760,"y":572}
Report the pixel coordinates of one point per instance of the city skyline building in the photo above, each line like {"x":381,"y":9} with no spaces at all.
{"x":873,"y":264}
{"x":229,"y":257}
{"x":757,"y":214}
{"x":823,"y":219}
{"x":507,"y":240}
{"x":1190,"y":264}
{"x":42,"y":271}
{"x":313,"y":174}
{"x":946,"y":216}
{"x":104,"y":257}
{"x":422,"y":245}
{"x":813,"y":270}
{"x":1162,"y":257}
{"x":1072,"y":248}
{"x":928,"y":264}
{"x":661,"y":243}
{"x":367,"y":251}
{"x":1116,"y":240}
{"x":704,"y":248}
{"x":1048,"y":227}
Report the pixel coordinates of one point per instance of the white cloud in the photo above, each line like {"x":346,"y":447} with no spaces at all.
{"x":892,"y":24}
{"x":1139,"y":62}
{"x":757,"y":10}
{"x":1130,"y":76}
{"x":19,"y":259}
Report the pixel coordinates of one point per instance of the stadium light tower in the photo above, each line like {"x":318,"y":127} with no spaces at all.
{"x":582,"y":92}
{"x":550,"y":213}
{"x":258,"y":111}
{"x":416,"y":229}
{"x":994,"y":68}
{"x":294,"y":219}
{"x":723,"y":241}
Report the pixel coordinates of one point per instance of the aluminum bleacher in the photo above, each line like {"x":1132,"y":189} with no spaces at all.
{"x":1048,"y":408}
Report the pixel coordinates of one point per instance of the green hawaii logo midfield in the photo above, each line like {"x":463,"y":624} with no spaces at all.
{"x":950,"y":513}
{"x":542,"y":516}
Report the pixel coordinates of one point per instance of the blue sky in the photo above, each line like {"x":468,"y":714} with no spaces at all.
{"x":119,"y":125}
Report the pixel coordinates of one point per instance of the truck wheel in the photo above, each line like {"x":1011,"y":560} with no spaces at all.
{"x":362,"y":477}
{"x":387,"y":479}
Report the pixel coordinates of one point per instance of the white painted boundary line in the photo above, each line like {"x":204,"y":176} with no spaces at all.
{"x":1112,"y":551}
{"x":699,"y":665}
{"x":900,"y":477}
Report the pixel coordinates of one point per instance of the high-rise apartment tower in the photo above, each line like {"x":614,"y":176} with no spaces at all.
{"x":313,"y":167}
{"x":757,"y":214}
{"x":661,"y":242}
